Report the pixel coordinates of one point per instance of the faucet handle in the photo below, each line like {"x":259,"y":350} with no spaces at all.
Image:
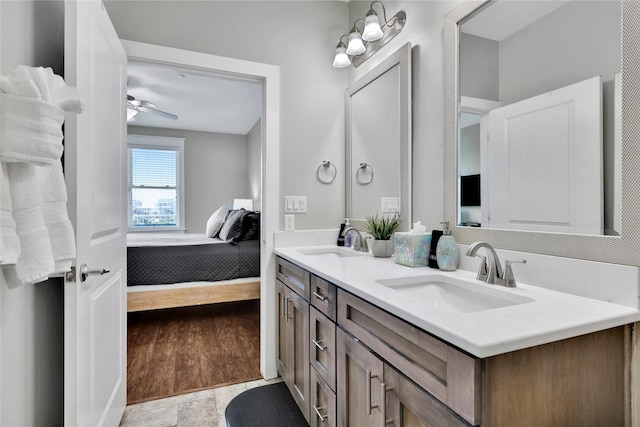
{"x":483,"y":269}
{"x":509,"y":280}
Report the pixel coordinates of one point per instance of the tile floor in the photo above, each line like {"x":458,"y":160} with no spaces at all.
{"x":200,"y":409}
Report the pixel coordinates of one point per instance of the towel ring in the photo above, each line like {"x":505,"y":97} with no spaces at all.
{"x":326,"y":165}
{"x":363,"y":168}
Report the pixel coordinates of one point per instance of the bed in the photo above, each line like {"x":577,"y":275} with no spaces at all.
{"x":177,"y":270}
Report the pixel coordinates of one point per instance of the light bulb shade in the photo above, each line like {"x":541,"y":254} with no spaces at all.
{"x":372,"y":30}
{"x":355,"y":46}
{"x":131,"y":114}
{"x":341,"y":59}
{"x":246,"y":204}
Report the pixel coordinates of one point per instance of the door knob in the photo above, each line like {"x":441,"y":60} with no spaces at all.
{"x":85,"y":272}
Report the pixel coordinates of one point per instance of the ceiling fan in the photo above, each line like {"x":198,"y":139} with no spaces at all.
{"x":135,"y":106}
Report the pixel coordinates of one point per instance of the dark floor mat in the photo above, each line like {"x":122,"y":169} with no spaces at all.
{"x":266,"y":406}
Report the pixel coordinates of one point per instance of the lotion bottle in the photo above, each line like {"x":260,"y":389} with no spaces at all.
{"x":347,"y":238}
{"x":447,"y":250}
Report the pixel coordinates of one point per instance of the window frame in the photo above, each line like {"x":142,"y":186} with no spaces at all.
{"x":159,"y":143}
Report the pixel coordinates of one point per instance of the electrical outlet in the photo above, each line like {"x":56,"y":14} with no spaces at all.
{"x":289,"y":223}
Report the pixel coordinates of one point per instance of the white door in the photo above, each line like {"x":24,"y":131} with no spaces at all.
{"x":95,"y":168}
{"x":543,"y":162}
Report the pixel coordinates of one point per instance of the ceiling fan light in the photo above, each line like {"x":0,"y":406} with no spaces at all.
{"x":131,"y":114}
{"x":355,"y":46}
{"x":341,"y":59}
{"x":372,"y":30}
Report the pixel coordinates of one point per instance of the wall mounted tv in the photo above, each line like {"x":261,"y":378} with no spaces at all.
{"x":470,"y":190}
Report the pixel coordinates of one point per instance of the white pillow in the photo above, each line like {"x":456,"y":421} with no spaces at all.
{"x":214,"y":224}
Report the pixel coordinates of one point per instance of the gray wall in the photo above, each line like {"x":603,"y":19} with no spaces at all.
{"x":299,"y":37}
{"x":215,"y":171}
{"x":31,"y":316}
{"x":254,"y":163}
{"x":578,"y":41}
{"x":479,"y":68}
{"x":424,"y":31}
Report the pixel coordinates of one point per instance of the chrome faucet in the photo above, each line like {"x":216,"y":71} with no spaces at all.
{"x":490,"y":270}
{"x":359,"y":244}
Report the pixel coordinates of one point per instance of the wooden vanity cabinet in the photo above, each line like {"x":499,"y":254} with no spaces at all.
{"x":293,"y":337}
{"x":366,"y":367}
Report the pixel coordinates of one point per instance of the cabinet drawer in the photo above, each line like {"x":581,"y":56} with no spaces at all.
{"x":322,"y":346}
{"x":407,"y":405}
{"x":323,"y":403}
{"x":450,"y":375}
{"x":323,"y":296}
{"x":293,"y":276}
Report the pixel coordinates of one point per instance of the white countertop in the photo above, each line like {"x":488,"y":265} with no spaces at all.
{"x":551,"y":316}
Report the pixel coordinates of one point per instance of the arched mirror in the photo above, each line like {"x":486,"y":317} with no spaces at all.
{"x":378,"y":141}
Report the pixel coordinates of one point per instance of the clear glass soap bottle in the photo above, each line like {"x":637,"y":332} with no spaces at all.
{"x":447,"y":250}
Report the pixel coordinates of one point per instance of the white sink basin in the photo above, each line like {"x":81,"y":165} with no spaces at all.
{"x":339,"y":252}
{"x":453,"y":294}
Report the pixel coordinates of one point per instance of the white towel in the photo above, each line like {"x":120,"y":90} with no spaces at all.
{"x":36,"y":256}
{"x":31,"y":131}
{"x":34,"y":101}
{"x":55,"y":217}
{"x":41,"y":83}
{"x":33,"y":104}
{"x":9,"y":243}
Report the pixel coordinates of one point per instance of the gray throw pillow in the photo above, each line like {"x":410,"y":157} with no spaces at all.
{"x":233,"y":226}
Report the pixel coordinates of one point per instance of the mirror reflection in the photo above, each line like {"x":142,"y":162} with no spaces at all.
{"x":538,"y":140}
{"x":378,"y":141}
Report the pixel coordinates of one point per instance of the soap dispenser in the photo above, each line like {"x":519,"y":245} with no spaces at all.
{"x":447,"y":250}
{"x":347,"y":238}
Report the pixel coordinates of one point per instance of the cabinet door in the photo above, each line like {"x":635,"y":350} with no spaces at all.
{"x":297,"y":330}
{"x":407,"y":405}
{"x":359,"y":383}
{"x":322,"y":401}
{"x":281,"y":332}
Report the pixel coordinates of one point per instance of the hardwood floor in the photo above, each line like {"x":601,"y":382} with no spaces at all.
{"x":181,"y":350}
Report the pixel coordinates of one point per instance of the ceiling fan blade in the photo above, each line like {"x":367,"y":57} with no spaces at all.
{"x":146,"y":109}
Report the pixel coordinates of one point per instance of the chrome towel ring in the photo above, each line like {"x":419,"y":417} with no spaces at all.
{"x":326,"y":172}
{"x":361,"y":174}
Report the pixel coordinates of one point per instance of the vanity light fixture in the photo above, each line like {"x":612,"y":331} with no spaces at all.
{"x":341,"y":58}
{"x":374,"y":35}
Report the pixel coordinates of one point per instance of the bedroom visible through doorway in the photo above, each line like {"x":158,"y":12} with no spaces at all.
{"x":222,"y":163}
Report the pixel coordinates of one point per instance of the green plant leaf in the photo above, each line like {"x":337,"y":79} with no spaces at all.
{"x":381,"y":227}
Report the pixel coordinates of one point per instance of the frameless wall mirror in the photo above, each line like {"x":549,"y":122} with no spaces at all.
{"x":584,"y":56}
{"x":539,"y":114}
{"x":378,"y":141}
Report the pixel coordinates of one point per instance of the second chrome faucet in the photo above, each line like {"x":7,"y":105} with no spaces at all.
{"x":490,"y":270}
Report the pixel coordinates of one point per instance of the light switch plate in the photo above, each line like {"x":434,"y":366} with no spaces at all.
{"x":295,"y":204}
{"x":389,"y":205}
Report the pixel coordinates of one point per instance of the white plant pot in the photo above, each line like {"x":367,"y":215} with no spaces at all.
{"x":381,"y":248}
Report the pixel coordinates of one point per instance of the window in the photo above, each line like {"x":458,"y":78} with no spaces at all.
{"x":156,"y":183}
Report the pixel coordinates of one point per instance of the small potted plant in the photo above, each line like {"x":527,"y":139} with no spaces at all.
{"x":381,"y":228}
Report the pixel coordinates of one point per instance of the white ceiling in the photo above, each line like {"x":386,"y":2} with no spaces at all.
{"x":202,"y":102}
{"x":501,"y":19}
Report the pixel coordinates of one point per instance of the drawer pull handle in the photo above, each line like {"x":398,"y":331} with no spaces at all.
{"x":319,"y":296}
{"x":319,"y":345}
{"x":368,"y":392}
{"x":286,"y":305}
{"x":322,"y":417}
{"x":383,"y":404}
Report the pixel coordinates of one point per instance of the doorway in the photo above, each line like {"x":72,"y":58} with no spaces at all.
{"x":269,"y":75}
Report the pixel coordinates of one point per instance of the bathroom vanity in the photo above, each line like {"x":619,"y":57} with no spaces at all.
{"x":360,"y":343}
